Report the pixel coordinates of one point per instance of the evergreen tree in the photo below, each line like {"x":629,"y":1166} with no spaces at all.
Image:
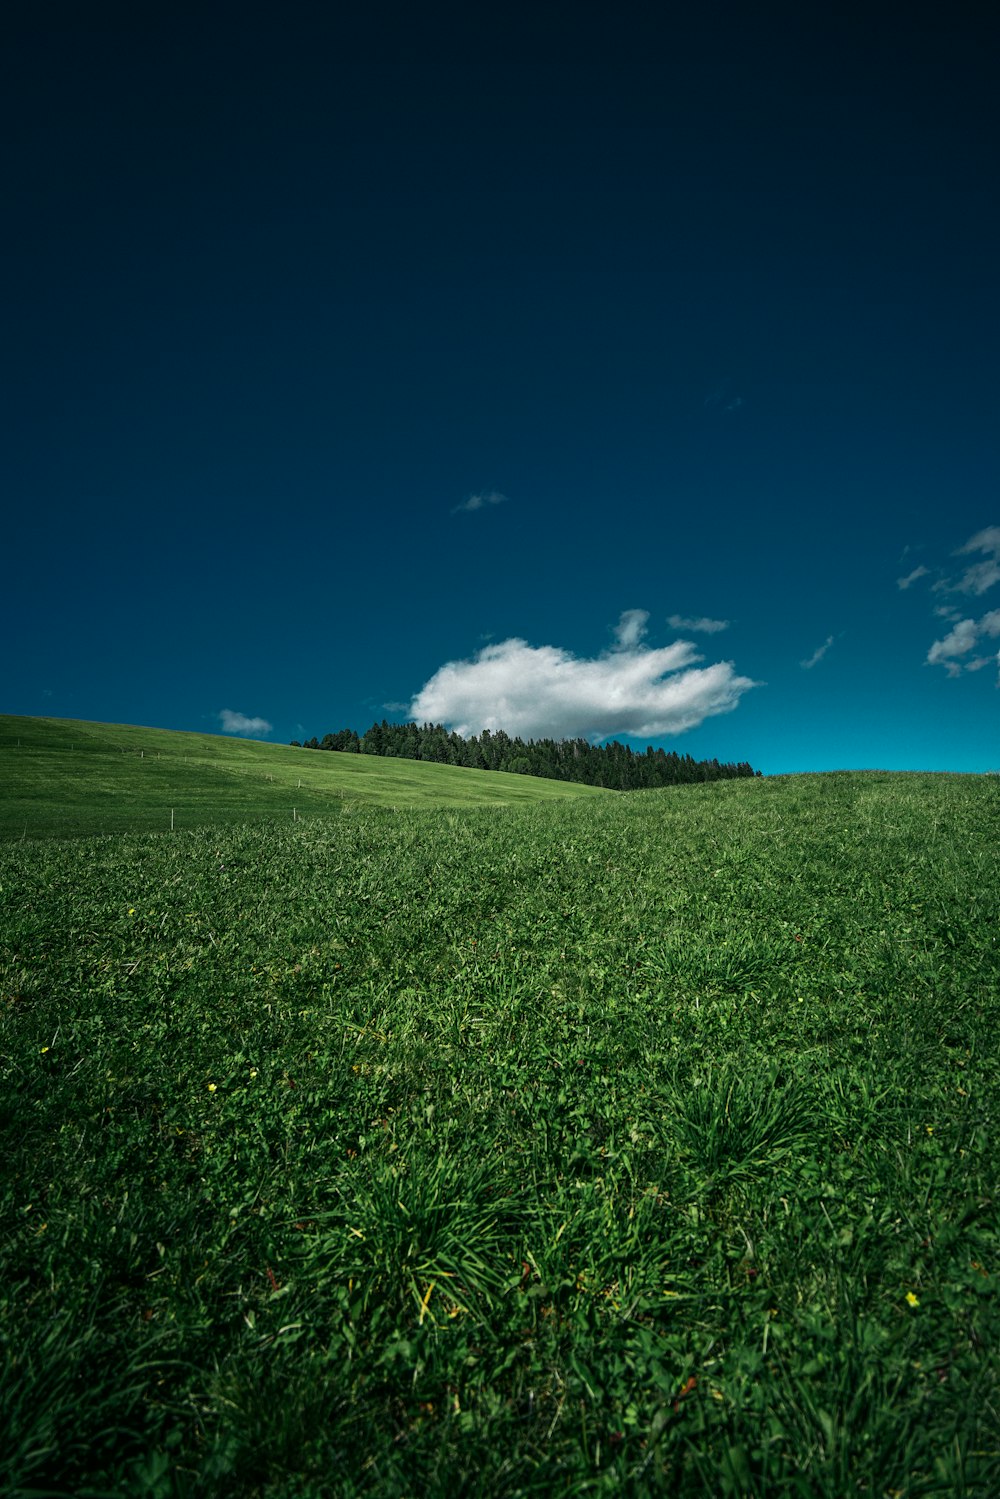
{"x":615,"y":766}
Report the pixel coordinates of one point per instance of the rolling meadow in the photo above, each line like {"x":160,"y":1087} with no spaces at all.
{"x":392,"y":1129}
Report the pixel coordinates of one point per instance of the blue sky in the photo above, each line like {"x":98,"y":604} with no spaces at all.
{"x":484,"y":368}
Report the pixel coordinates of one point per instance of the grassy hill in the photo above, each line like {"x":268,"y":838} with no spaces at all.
{"x":617,"y":1145}
{"x":64,"y":777}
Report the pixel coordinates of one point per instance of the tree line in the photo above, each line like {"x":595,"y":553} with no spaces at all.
{"x":613,"y":765}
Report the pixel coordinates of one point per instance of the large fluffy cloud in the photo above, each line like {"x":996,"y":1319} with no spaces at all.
{"x":546,"y":692}
{"x":239,"y":723}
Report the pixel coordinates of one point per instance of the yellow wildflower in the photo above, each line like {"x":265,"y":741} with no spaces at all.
{"x":911,"y":1299}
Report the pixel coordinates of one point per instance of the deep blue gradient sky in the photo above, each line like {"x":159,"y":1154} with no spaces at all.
{"x":711,"y":304}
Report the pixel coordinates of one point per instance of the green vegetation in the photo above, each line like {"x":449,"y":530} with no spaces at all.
{"x":63,"y":778}
{"x":626,"y":1145}
{"x":615,"y":766}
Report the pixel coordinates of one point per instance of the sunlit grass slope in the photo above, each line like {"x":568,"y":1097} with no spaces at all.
{"x":634,"y":1145}
{"x":63,"y":777}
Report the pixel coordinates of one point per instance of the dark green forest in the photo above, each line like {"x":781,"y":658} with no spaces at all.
{"x":614,"y":765}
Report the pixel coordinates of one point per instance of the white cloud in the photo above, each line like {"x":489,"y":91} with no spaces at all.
{"x":986,"y":540}
{"x":964,"y":638}
{"x":980,"y":575}
{"x":239,"y":723}
{"x":703,"y":626}
{"x":817,"y":654}
{"x":957,"y":642}
{"x":546,"y":692}
{"x":631,"y":627}
{"x":966,"y":633}
{"x":911,"y":578}
{"x":479,"y":502}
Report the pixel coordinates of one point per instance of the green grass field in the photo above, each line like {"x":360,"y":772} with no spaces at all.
{"x":631,"y":1144}
{"x":63,"y":778}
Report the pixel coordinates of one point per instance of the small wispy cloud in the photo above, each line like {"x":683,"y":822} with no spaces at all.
{"x":981,"y":575}
{"x":967,"y":633}
{"x":911,"y":578}
{"x":479,"y":502}
{"x":723,"y":398}
{"x":817,"y":654}
{"x":703,"y":626}
{"x":240,"y":723}
{"x":956,"y":643}
{"x":545,"y":691}
{"x":631,"y":627}
{"x":961,"y":640}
